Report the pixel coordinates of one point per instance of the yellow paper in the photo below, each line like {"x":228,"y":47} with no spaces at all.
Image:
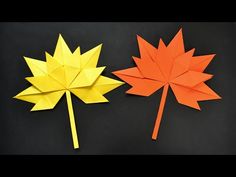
{"x":67,"y":72}
{"x":72,"y":120}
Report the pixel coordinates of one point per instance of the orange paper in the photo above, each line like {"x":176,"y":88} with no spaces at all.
{"x":168,"y":66}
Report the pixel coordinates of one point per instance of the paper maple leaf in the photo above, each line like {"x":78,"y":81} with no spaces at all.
{"x":169,"y":66}
{"x":66,"y":72}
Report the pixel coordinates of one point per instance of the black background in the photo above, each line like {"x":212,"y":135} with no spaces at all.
{"x":123,"y":126}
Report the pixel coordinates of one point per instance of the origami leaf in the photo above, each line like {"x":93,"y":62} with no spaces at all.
{"x":169,"y":66}
{"x":67,"y":72}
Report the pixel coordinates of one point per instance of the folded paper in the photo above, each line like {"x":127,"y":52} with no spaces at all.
{"x":169,"y":66}
{"x":67,"y":72}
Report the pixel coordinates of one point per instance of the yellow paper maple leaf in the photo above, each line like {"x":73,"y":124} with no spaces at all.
{"x":66,"y":72}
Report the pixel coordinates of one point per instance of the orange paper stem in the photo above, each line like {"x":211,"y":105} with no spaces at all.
{"x":160,"y":112}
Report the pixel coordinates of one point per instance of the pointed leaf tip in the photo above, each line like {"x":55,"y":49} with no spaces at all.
{"x":161,"y":44}
{"x":176,"y":46}
{"x":25,"y":58}
{"x":99,"y":46}
{"x":180,"y":30}
{"x":179,"y":35}
{"x":192,"y":51}
{"x":115,"y":72}
{"x":141,"y":40}
{"x":138,"y":36}
{"x":47,"y":55}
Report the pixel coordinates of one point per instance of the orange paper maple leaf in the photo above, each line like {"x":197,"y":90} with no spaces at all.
{"x":169,"y":66}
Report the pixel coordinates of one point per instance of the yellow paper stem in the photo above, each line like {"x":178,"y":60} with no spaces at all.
{"x":72,"y":120}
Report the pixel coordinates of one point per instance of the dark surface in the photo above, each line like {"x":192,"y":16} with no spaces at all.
{"x":123,"y":126}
